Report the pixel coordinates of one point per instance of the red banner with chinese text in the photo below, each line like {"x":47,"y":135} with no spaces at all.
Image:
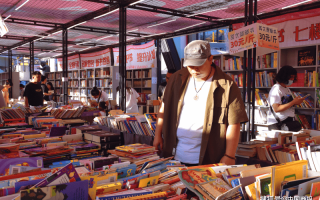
{"x":73,"y":63}
{"x":295,"y":29}
{"x":138,"y":56}
{"x":96,"y":59}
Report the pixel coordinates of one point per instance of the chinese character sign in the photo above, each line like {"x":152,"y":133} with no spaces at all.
{"x":73,"y":63}
{"x":254,"y":35}
{"x":96,"y":59}
{"x":138,"y":56}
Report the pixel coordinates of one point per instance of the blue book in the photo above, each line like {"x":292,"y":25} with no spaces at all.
{"x":235,"y":183}
{"x":126,"y":171}
{"x":156,"y":168}
{"x":235,"y":63}
{"x":20,"y":184}
{"x":290,"y":192}
{"x":272,"y":58}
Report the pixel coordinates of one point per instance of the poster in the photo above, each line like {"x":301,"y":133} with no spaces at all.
{"x":138,"y":56}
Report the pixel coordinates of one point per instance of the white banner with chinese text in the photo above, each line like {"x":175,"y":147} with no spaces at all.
{"x":73,"y":63}
{"x":96,"y":59}
{"x":295,"y":29}
{"x":138,"y":56}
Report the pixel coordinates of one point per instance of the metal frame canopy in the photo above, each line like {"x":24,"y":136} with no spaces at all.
{"x":94,"y":24}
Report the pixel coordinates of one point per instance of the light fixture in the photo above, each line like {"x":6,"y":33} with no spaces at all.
{"x":7,"y":17}
{"x":133,"y":30}
{"x":135,"y":2}
{"x":104,"y":37}
{"x":162,"y":23}
{"x":152,"y":35}
{"x":56,"y":32}
{"x":106,"y":13}
{"x":22,"y":4}
{"x":85,"y":49}
{"x":205,"y":12}
{"x":296,"y":4}
{"x":189,"y":26}
{"x":77,"y":24}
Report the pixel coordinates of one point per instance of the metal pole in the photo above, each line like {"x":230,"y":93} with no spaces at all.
{"x":65,"y":65}
{"x":31,"y":63}
{"x":10,"y":71}
{"x":158,"y":63}
{"x":250,"y":93}
{"x":122,"y":56}
{"x":254,"y":58}
{"x":245,"y":95}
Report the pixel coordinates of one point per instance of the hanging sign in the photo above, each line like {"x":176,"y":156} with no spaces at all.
{"x":73,"y":63}
{"x":138,"y":56}
{"x":294,"y":29}
{"x":262,"y":36}
{"x":96,"y":59}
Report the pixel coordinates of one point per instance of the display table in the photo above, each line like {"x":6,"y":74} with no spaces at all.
{"x":253,"y":161}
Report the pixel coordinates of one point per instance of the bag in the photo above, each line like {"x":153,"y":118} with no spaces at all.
{"x":288,"y":125}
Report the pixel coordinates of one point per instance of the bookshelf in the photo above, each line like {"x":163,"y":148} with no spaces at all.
{"x":285,"y":56}
{"x":55,"y":79}
{"x":140,"y":80}
{"x":81,"y":81}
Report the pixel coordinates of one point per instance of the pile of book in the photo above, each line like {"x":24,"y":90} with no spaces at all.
{"x":267,"y":61}
{"x":105,"y":140}
{"x":307,"y":103}
{"x":261,"y":98}
{"x":12,"y":114}
{"x":61,"y":113}
{"x":135,"y":124}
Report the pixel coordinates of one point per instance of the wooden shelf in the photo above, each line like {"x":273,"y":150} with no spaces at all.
{"x":302,"y":67}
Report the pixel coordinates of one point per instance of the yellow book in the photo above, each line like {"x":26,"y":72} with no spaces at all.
{"x":237,"y":170}
{"x":157,"y":195}
{"x":254,"y":172}
{"x":275,"y":59}
{"x":41,"y":135}
{"x":259,"y":102}
{"x":314,"y":79}
{"x":233,"y":67}
{"x":287,"y":172}
{"x":111,"y":187}
{"x":148,"y":181}
{"x":251,"y":191}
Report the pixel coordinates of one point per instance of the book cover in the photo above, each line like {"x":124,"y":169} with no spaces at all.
{"x":307,"y":57}
{"x":134,"y":148}
{"x":315,"y":189}
{"x":287,"y":172}
{"x":213,"y":189}
{"x":28,"y":162}
{"x":190,"y":178}
{"x":76,"y":190}
{"x":66,"y":174}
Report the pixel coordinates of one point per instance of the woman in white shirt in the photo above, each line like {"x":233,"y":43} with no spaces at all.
{"x":280,"y":97}
{"x":132,"y":99}
{"x":98,"y":96}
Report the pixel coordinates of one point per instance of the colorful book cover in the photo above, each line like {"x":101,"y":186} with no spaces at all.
{"x":213,"y":188}
{"x":134,"y":148}
{"x":13,"y":169}
{"x":76,"y":190}
{"x":25,"y":184}
{"x":28,"y":162}
{"x":126,"y":171}
{"x":315,"y":189}
{"x":12,"y":179}
{"x":66,"y":174}
{"x":190,"y":178}
{"x":148,"y":181}
{"x":287,"y":172}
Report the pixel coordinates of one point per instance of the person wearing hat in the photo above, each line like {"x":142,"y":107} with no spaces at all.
{"x":199,"y":120}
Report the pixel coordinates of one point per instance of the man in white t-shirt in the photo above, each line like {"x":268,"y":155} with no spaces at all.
{"x":132,"y":99}
{"x":199,"y":119}
{"x":98,"y":96}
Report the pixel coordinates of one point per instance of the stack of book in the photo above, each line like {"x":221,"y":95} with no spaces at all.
{"x":104,"y":139}
{"x":12,"y":114}
{"x":261,"y":98}
{"x":60,"y":113}
{"x":267,"y":61}
{"x":135,"y":124}
{"x":307,"y":103}
{"x":307,"y":79}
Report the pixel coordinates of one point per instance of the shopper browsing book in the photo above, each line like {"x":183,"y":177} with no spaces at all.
{"x":132,"y":99}
{"x":5,"y":91}
{"x":50,"y":91}
{"x":202,"y":109}
{"x":45,"y":88}
{"x":33,"y":94}
{"x":281,"y":113}
{"x":98,"y":96}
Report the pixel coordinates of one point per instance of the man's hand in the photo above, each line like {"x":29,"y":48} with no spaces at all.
{"x":158,"y":141}
{"x":227,"y":161}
